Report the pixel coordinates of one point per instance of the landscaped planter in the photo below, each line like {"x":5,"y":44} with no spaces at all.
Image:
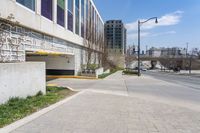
{"x":92,"y":73}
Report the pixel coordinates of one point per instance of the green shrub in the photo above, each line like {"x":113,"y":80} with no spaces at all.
{"x":39,"y":94}
{"x":104,"y":75}
{"x":130,"y":72}
{"x":92,"y":66}
{"x":83,"y":66}
{"x":54,"y":89}
{"x":113,"y":70}
{"x":89,"y":66}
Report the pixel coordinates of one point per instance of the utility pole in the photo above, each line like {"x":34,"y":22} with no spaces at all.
{"x":190,"y":61}
{"x":139,"y":24}
{"x":187,"y":49}
{"x":190,"y":69}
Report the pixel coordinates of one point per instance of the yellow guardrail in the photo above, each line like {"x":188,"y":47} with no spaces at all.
{"x":66,"y":76}
{"x":46,"y":53}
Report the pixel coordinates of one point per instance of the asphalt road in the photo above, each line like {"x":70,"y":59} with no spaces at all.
{"x":155,"y":86}
{"x":169,"y":88}
{"x":189,"y":81}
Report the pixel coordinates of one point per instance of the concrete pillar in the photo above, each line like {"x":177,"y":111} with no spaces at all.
{"x":66,"y":14}
{"x":55,"y":11}
{"x":38,"y":7}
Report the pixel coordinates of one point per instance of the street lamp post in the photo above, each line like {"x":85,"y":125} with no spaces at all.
{"x":190,"y":65}
{"x":139,"y":24}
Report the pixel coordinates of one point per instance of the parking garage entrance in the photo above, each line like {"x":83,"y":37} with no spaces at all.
{"x":56,"y":63}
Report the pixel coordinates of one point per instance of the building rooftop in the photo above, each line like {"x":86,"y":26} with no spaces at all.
{"x":114,"y":21}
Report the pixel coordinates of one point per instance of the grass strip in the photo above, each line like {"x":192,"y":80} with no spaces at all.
{"x":127,"y":72}
{"x":18,"y":108}
{"x":102,"y":76}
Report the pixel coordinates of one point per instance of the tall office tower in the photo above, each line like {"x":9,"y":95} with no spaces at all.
{"x":115,"y":35}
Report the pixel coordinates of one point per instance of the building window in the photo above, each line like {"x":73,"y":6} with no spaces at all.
{"x":87,"y":9}
{"x":61,"y":12}
{"x":28,"y":3}
{"x":70,"y":15}
{"x":77,"y":16}
{"x":46,"y":8}
{"x":82,"y":17}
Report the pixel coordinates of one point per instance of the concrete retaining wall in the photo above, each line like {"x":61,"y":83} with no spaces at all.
{"x":99,"y":71}
{"x":21,"y":79}
{"x":107,"y":71}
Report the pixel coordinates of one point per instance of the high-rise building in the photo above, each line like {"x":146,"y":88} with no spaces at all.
{"x":53,"y":31}
{"x":115,"y":35}
{"x":175,"y":52}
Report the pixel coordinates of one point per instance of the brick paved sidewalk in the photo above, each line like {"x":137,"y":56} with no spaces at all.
{"x":93,"y":112}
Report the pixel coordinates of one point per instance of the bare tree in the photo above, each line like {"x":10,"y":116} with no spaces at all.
{"x":130,"y":57}
{"x":100,"y":46}
{"x":89,"y":42}
{"x":93,"y":41}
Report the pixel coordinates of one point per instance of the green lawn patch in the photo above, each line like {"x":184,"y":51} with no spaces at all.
{"x":102,"y":76}
{"x":18,"y":108}
{"x":128,"y":72}
{"x":114,"y":70}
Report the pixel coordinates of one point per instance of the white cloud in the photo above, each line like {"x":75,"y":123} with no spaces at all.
{"x":132,"y":26}
{"x":166,"y":20}
{"x":164,"y":33}
{"x":134,"y":36}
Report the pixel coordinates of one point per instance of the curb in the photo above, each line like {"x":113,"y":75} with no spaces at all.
{"x":75,"y":77}
{"x":27,"y":119}
{"x":181,"y":74}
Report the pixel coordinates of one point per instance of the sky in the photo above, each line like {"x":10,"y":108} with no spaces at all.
{"x":178,"y":21}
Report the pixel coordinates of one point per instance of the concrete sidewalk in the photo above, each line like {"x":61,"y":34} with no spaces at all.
{"x":106,"y":106}
{"x":113,"y":83}
{"x":93,"y":112}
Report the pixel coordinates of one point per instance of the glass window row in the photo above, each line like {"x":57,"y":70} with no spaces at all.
{"x":88,"y":14}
